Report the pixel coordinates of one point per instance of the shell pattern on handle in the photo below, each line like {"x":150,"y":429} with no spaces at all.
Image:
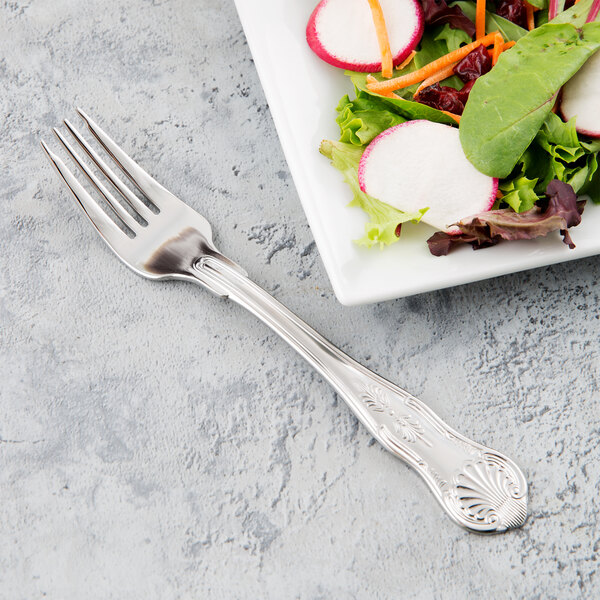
{"x":481,"y":489}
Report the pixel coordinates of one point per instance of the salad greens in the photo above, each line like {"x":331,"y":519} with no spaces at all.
{"x":429,"y":50}
{"x":576,"y":15}
{"x":493,"y":22}
{"x":560,"y":211}
{"x":454,"y":38}
{"x":507,"y":130}
{"x":555,"y":153}
{"x":364,"y":118}
{"x":508,"y":105}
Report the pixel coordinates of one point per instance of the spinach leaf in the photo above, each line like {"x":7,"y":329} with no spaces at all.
{"x":508,"y":105}
{"x":541,"y":4}
{"x":405,"y":108}
{"x":435,"y":44}
{"x":576,"y":15}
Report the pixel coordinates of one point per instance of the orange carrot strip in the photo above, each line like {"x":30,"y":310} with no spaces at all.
{"x":499,"y":194}
{"x":390,"y":95}
{"x":498,"y":47}
{"x":437,"y":77}
{"x":508,"y":45}
{"x":407,"y":60}
{"x":452,"y":116}
{"x":480,"y":19}
{"x":387,"y":65}
{"x":433,"y":67}
{"x":371,"y":79}
{"x":529,"y":10}
{"x":576,"y":1}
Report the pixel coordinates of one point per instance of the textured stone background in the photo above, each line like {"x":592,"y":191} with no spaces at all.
{"x":157,"y":442}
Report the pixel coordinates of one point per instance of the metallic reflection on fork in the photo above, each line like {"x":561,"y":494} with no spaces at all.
{"x":479,"y":488}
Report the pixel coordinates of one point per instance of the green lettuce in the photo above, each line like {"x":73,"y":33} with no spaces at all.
{"x":364,"y":118}
{"x":555,"y":150}
{"x":555,"y":153}
{"x":519,"y":193}
{"x":454,"y":38}
{"x":383,"y":228}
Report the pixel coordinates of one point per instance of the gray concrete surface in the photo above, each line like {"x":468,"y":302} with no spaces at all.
{"x":156,"y":442}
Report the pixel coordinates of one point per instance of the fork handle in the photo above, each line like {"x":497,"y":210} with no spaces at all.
{"x":479,"y":488}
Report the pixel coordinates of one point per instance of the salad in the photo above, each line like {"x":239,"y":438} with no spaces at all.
{"x":480,"y":119}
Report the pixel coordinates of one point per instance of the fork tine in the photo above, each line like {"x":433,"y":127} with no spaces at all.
{"x":127,"y":219}
{"x":153,"y":190}
{"x":113,"y":236}
{"x":131,"y":198}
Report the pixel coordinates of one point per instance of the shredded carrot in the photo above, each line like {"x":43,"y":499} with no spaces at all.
{"x":387,"y":65}
{"x":529,"y":10}
{"x":498,"y":47}
{"x":499,"y":194}
{"x":407,"y":60}
{"x":576,"y":1}
{"x":437,"y":77}
{"x":480,"y":19}
{"x":433,"y":67}
{"x":508,"y":45}
{"x":452,"y":116}
{"x":371,"y":80}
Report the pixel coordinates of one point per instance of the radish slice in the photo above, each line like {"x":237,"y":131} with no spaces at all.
{"x":342,"y":32}
{"x":421,"y":164}
{"x":580,"y":98}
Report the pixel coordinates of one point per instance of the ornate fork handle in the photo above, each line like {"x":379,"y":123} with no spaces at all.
{"x":480,"y":489}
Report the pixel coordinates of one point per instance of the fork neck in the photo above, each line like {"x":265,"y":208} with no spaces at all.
{"x":227,"y":279}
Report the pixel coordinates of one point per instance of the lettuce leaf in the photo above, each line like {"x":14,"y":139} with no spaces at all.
{"x":384,"y":227}
{"x":555,"y":153}
{"x":519,"y":193}
{"x":364,"y":118}
{"x":558,"y":211}
{"x":454,"y":38}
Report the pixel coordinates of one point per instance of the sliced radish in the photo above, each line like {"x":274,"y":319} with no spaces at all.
{"x":342,"y":32}
{"x":421,"y":164}
{"x":580,"y":98}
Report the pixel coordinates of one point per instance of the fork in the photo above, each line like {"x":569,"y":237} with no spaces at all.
{"x":479,"y":488}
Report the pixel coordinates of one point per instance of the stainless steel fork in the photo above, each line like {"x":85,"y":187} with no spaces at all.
{"x":479,"y":488}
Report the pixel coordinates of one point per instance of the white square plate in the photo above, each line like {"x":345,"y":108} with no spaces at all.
{"x":302,"y":92}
